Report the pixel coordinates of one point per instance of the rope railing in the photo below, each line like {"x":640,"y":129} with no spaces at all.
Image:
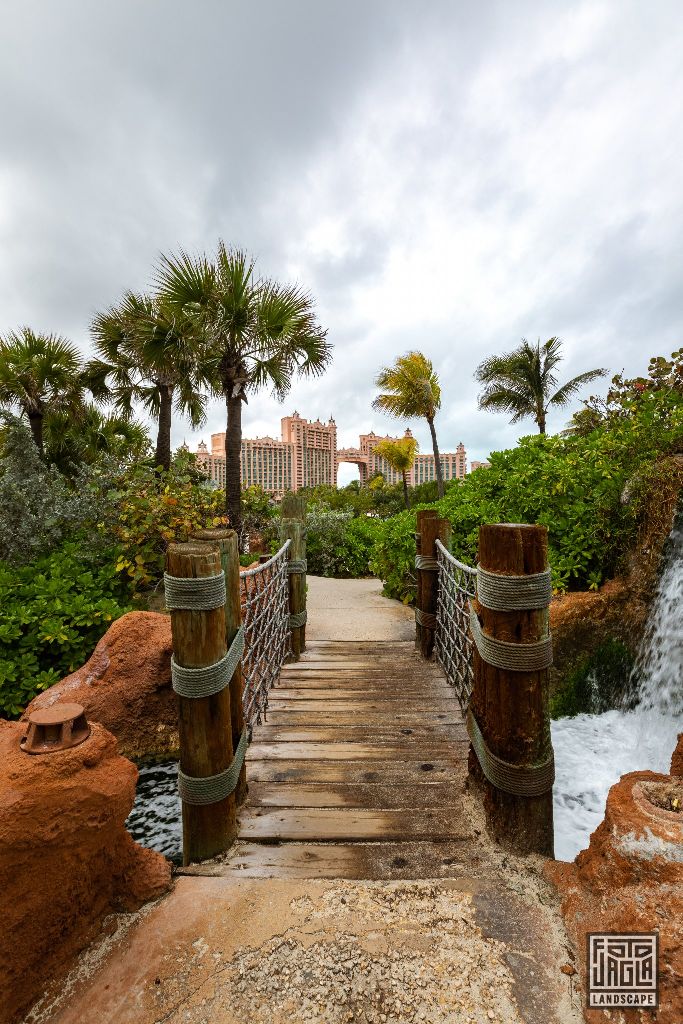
{"x":264,"y":592}
{"x":453,"y":643}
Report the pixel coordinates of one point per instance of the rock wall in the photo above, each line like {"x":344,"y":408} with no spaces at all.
{"x":583,"y":622}
{"x":66,"y":859}
{"x":126,"y":685}
{"x":630,"y":879}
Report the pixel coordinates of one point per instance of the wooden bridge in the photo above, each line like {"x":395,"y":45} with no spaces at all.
{"x":358,"y":771}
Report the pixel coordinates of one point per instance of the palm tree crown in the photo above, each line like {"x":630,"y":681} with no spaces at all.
{"x":39,"y":373}
{"x":522,"y":382}
{"x":254,"y":333}
{"x":410,"y":388}
{"x":400,"y":455}
{"x":148,"y":354}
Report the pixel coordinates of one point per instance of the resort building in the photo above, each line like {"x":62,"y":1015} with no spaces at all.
{"x":307,"y":455}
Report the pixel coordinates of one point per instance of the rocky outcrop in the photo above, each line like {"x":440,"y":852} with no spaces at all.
{"x":630,"y":879}
{"x":589,"y":627}
{"x":66,"y":859}
{"x":126,"y":685}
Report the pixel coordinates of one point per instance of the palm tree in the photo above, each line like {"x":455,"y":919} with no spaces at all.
{"x":69,"y":444}
{"x":400,"y":455}
{"x":411,"y":389}
{"x":255,"y":333}
{"x":39,"y":373}
{"x":521,"y":382}
{"x":150,"y":355}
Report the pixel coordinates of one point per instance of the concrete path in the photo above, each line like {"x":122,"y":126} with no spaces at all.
{"x":355,"y":610}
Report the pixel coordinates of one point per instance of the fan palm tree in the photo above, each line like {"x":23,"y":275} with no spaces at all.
{"x":255,"y":333}
{"x":39,"y":373}
{"x":69,"y":444}
{"x":522,"y":382}
{"x":148,"y":354}
{"x":400,"y":455}
{"x":411,"y":389}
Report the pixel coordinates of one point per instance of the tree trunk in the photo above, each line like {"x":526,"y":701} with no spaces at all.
{"x":35,"y":420}
{"x":405,"y":489}
{"x":541,"y":423}
{"x":437,"y":457}
{"x":163,"y":453}
{"x":233,"y":463}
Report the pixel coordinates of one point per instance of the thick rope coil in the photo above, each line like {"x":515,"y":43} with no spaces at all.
{"x":213,"y":788}
{"x":517,"y":779}
{"x":513,"y":593}
{"x":298,"y":619}
{"x":426,"y":563}
{"x":194,"y":594}
{"x":426,"y":619}
{"x":531,"y":657}
{"x":296,"y":565}
{"x":209,"y":679}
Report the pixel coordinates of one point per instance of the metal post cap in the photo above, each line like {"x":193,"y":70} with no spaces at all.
{"x":55,"y":728}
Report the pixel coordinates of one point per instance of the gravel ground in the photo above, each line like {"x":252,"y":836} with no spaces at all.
{"x":418,"y":956}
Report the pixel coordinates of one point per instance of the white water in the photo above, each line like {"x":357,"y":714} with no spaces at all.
{"x":593,"y":751}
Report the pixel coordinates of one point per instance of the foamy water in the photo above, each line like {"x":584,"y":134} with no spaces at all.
{"x":593,"y":751}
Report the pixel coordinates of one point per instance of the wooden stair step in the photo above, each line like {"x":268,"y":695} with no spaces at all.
{"x":391,"y":772}
{"x":354,"y":794}
{"x":337,"y":824}
{"x":453,"y":859}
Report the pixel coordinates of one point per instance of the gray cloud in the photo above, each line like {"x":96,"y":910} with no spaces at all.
{"x":441,"y":176}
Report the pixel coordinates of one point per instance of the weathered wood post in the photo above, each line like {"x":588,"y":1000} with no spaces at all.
{"x":511,"y":755}
{"x":227,"y":543}
{"x":430,"y":529}
{"x":195,"y":596}
{"x":293,"y":527}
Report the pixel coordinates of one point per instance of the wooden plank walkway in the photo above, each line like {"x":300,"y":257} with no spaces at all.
{"x":358,"y":771}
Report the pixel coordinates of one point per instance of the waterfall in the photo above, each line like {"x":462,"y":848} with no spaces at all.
{"x":593,"y":751}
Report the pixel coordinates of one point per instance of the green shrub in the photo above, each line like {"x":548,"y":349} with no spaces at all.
{"x":338,"y":544}
{"x":587,"y":489}
{"x":53,"y":613}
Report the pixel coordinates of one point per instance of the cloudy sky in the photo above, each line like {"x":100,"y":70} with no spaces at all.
{"x":448,"y":176}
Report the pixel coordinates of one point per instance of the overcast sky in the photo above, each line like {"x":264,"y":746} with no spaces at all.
{"x":446,"y":176}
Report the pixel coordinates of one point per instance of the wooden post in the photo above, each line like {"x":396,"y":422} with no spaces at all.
{"x":512,"y":708}
{"x":227,"y":543}
{"x":421,"y":517}
{"x":204,"y":723}
{"x":431,"y":529}
{"x":293,"y":527}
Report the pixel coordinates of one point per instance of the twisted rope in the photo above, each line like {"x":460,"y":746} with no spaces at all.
{"x":426,"y":563}
{"x":531,"y":657}
{"x":209,"y":679}
{"x":194,"y":594}
{"x":517,"y":779}
{"x":265,"y":616}
{"x":298,"y":619}
{"x":426,"y":619}
{"x":213,"y":788}
{"x":296,"y":565}
{"x":513,"y":593}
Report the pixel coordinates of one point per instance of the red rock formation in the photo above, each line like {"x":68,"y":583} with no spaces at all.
{"x":630,"y":879}
{"x":126,"y":685}
{"x":677,"y":757}
{"x":66,"y":859}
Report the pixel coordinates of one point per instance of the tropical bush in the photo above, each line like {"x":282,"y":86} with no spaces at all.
{"x":586,"y":487}
{"x":337,"y":543}
{"x":53,"y":613}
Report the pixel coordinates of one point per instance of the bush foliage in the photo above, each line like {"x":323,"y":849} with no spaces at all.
{"x":53,"y":613}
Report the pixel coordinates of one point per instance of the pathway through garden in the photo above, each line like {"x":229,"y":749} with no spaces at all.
{"x":362,"y":887}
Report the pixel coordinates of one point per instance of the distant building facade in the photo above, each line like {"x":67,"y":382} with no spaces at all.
{"x":479,"y":465}
{"x":307,"y":455}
